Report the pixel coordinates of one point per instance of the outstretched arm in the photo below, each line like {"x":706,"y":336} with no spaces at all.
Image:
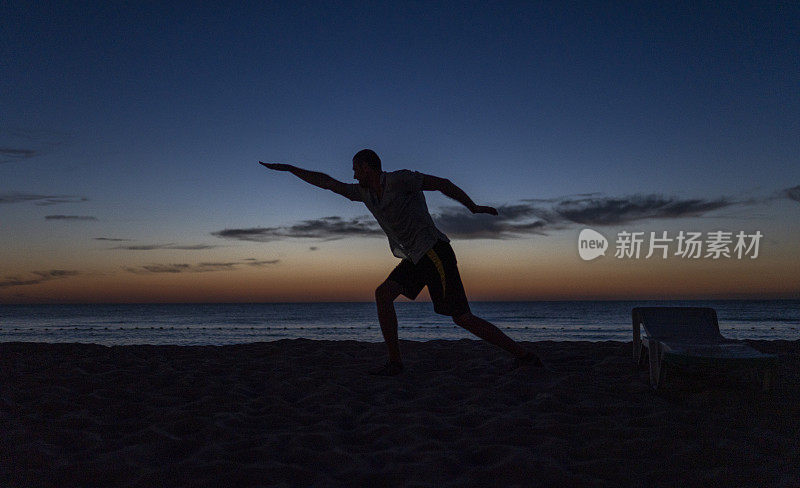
{"x":449,"y":189}
{"x":313,"y":177}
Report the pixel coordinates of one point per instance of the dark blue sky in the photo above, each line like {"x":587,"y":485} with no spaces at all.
{"x":156,"y":114}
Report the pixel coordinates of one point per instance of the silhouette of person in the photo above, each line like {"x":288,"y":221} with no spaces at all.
{"x":397,"y":202}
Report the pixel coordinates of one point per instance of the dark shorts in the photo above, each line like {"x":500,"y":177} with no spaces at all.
{"x":438,"y":271}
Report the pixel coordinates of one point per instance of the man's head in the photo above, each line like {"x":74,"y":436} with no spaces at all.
{"x":366,"y":166}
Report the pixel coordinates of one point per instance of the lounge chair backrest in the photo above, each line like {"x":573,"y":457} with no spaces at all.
{"x":680,"y":324}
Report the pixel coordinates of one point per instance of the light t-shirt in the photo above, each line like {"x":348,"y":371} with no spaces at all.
{"x":401,"y":212}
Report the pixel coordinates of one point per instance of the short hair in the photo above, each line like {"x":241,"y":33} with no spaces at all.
{"x":370,"y":158}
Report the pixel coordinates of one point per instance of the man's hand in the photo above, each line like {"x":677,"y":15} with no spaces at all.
{"x":484,"y":209}
{"x":315,"y":178}
{"x":276,"y":166}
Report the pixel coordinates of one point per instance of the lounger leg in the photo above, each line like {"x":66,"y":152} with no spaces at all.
{"x":656,"y":365}
{"x":637,"y":338}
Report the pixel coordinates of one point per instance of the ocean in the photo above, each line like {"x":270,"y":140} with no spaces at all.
{"x":218,"y":324}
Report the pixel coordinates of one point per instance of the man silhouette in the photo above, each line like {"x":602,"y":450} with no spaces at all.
{"x":397,"y":202}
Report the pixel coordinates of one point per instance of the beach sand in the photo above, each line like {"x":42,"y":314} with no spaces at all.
{"x":304,"y":413}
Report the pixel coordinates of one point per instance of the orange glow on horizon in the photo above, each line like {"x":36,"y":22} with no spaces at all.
{"x":506,"y":278}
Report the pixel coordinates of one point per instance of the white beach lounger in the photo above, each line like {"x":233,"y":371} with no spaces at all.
{"x":689,"y":337}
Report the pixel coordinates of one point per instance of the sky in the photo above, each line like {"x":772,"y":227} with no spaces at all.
{"x":130,"y":135}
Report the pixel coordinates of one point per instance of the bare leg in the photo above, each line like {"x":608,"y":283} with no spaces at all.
{"x":384,"y":298}
{"x":489,"y":333}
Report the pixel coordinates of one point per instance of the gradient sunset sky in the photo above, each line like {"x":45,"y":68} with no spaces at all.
{"x":130,"y":135}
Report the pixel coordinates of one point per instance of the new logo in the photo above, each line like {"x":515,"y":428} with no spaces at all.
{"x":591,"y":244}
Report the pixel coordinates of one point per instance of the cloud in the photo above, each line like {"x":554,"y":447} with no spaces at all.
{"x":153,"y":247}
{"x":198,"y":268}
{"x":69,"y":217}
{"x":313,"y":248}
{"x":56,"y":201}
{"x":259,"y":264}
{"x":792,"y":193}
{"x":20,"y":144}
{"x":256,"y":234}
{"x":41,"y":200}
{"x":159,"y":268}
{"x":511,"y":221}
{"x":530,"y":217}
{"x":111,"y":239}
{"x":611,"y":211}
{"x":39,"y":277}
{"x":558,"y":199}
{"x":537,"y":216}
{"x":10,"y":154}
{"x":328,"y":228}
